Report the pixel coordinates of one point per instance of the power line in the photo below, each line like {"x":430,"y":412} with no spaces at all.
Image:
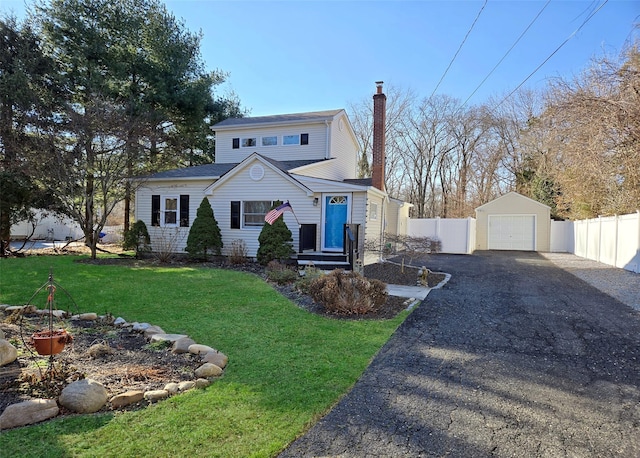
{"x":552,"y":54}
{"x":459,"y":48}
{"x":507,"y":53}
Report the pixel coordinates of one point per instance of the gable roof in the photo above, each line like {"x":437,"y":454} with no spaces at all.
{"x":277,"y":166}
{"x":511,"y":195}
{"x":294,"y":118}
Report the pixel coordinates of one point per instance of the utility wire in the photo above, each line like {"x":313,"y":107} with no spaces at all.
{"x":459,"y":48}
{"x":552,"y":54}
{"x":507,"y":53}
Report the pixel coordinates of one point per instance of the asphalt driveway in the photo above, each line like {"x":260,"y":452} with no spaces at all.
{"x":513,"y":357}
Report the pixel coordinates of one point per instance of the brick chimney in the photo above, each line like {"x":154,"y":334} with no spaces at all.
{"x":379,"y":122}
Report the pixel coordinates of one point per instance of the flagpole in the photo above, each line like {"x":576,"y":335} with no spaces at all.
{"x":294,"y":215}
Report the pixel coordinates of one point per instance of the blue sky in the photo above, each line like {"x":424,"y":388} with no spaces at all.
{"x":295,"y":56}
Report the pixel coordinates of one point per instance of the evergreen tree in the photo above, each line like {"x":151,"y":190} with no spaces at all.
{"x":275,"y":241}
{"x":137,"y":238}
{"x":204,"y":235}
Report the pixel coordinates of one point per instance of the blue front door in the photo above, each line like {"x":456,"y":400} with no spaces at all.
{"x":335,"y":216}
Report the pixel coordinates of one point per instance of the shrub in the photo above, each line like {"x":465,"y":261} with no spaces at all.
{"x":275,"y":241}
{"x":204,"y":235}
{"x":238,"y":252}
{"x":280,"y":274}
{"x":348,"y":293}
{"x":311,"y":273}
{"x":137,"y":238}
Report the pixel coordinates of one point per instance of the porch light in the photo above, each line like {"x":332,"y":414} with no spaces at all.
{"x":315,"y":201}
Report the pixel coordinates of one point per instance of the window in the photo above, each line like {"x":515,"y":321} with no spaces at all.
{"x":235,"y":143}
{"x":248,"y":142}
{"x":291,"y":140}
{"x":297,"y":139}
{"x":253,"y":212}
{"x":170,"y":211}
{"x":269,"y":141}
{"x":373,"y":211}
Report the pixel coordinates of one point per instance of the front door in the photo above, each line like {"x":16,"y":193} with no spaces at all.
{"x":336,"y":211}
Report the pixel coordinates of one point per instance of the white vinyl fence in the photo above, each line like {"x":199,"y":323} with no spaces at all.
{"x":458,"y":236}
{"x":612,"y":240}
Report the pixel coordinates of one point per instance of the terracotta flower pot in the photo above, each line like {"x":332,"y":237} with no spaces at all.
{"x":50,"y":342}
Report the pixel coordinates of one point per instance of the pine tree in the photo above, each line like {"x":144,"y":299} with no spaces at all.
{"x":276,"y":242}
{"x":137,"y":238}
{"x":204,"y":235}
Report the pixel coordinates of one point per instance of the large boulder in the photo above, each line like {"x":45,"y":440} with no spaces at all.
{"x":84,"y":396}
{"x":208,"y":370}
{"x":8,"y":353}
{"x":28,"y":412}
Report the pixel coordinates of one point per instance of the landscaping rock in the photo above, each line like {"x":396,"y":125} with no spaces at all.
{"x":8,"y":353}
{"x":202,"y":383}
{"x":199,"y":349}
{"x":28,"y":412}
{"x":85,"y":316}
{"x":140,"y":327}
{"x":152,"y":330}
{"x":172,"y":387}
{"x":182,"y":345}
{"x":208,"y":370}
{"x":1,"y":334}
{"x":55,"y":313}
{"x":23,"y":308}
{"x":119,"y":321}
{"x":156,"y":395}
{"x":84,"y":396}
{"x":184,"y":386}
{"x":161,"y":337}
{"x":217,"y":358}
{"x":126,"y":398}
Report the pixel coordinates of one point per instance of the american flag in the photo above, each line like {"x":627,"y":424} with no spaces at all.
{"x":274,"y":214}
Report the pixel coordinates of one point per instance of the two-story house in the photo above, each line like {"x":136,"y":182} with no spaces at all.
{"x":307,"y":159}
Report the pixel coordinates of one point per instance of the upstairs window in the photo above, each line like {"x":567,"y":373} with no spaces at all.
{"x":249,"y":142}
{"x":297,"y":139}
{"x":235,"y":143}
{"x":291,"y":140}
{"x":270,"y":141}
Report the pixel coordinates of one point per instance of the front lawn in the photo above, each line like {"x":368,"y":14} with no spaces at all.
{"x":287,"y":367}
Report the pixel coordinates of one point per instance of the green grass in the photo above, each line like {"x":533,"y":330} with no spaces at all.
{"x":287,"y":367}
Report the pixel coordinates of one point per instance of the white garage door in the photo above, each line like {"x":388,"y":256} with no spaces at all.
{"x":512,"y":232}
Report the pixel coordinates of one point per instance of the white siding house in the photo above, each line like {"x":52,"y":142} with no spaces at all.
{"x":307,"y":159}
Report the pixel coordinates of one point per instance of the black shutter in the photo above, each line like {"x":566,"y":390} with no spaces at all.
{"x":155,"y":210}
{"x":236,"y":143}
{"x":304,"y":139}
{"x":235,"y":214}
{"x":184,"y":210}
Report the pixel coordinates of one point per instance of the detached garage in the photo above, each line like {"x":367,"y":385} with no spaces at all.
{"x":513,"y":222}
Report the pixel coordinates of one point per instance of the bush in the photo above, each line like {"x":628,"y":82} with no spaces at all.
{"x":280,"y":274}
{"x":238,"y":252}
{"x":311,"y":273}
{"x":204,"y":235}
{"x":275,"y":241}
{"x":137,"y":238}
{"x":348,"y":293}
